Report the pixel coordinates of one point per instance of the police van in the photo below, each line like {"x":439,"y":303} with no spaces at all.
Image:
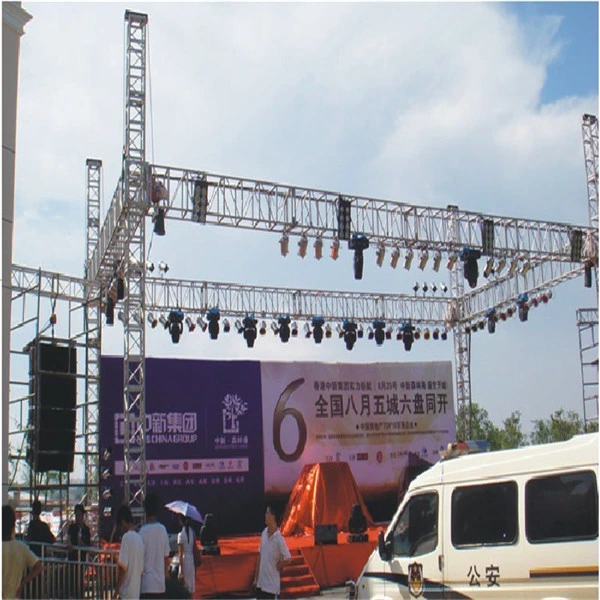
{"x":509,"y":524}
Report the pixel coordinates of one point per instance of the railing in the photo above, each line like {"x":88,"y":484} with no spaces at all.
{"x":90,"y":573}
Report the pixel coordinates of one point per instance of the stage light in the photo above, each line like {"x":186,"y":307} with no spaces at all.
{"x":344,"y":218}
{"x":394,"y":257}
{"x":379,"y":332}
{"x":408,"y":335}
{"x":408,"y":259}
{"x":523,"y":307}
{"x":335,"y":249}
{"x":399,"y":333}
{"x":502,"y":315}
{"x":525,"y":267}
{"x":469,"y":257}
{"x":340,"y":330}
{"x":360,"y":332}
{"x":501,"y":265}
{"x":249,"y":330}
{"x":489,"y":267}
{"x":481,"y":324}
{"x":380,"y":254}
{"x":452,"y":258}
{"x":159,"y":222}
{"x":284,"y":328}
{"x":416,"y":287}
{"x":317,"y":325}
{"x":213,"y":316}
{"x":121,"y":316}
{"x":175,"y":325}
{"x":263,"y":328}
{"x":328,"y":331}
{"x":107,"y":494}
{"x":358,"y":242}
{"x":284,"y":244}
{"x":424,"y":288}
{"x":576,"y":236}
{"x":388,"y":333}
{"x":370,"y":334}
{"x":201,"y":323}
{"x":318,"y":246}
{"x":110,"y":311}
{"x":443,"y":287}
{"x":467,"y":328}
{"x":535,"y":302}
{"x":510,"y":311}
{"x":444,"y":335}
{"x":106,"y":473}
{"x":136,"y":318}
{"x":190,"y":324}
{"x":120,"y":288}
{"x":490,"y":314}
{"x":544,"y":297}
{"x":294,"y":329}
{"x":349,"y":334}
{"x":587,"y":275}
{"x":514,"y":263}
{"x":417,"y":334}
{"x":423,"y":260}
{"x":150,"y":267}
{"x":437,"y":260}
{"x":163,"y":267}
{"x":302,"y":245}
{"x":436,"y":334}
{"x":433,"y":287}
{"x":426,"y":333}
{"x":239,"y":326}
{"x":107,"y":454}
{"x":226,"y":326}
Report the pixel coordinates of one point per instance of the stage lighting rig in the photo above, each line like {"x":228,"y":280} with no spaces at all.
{"x":190,"y":324}
{"x":213,"y":316}
{"x":249,"y":330}
{"x":469,"y":257}
{"x":294,"y":329}
{"x":379,"y":332}
{"x":175,"y":324}
{"x":523,"y":307}
{"x":423,"y":259}
{"x":335,"y":249}
{"x":408,"y":258}
{"x":349,"y":334}
{"x":452,"y":258}
{"x":284,"y":243}
{"x":492,"y":318}
{"x":380,"y":254}
{"x":317,"y":325}
{"x":302,"y":246}
{"x":489,"y":267}
{"x":226,"y":326}
{"x":395,"y":256}
{"x":152,"y":320}
{"x":318,"y":246}
{"x":437,"y":260}
{"x":360,"y":332}
{"x":284,"y":328}
{"x":163,"y":267}
{"x":201,"y":323}
{"x":358,"y":242}
{"x":262,"y":330}
{"x":408,"y":335}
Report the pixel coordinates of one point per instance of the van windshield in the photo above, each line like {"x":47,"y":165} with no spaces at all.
{"x":415,"y":532}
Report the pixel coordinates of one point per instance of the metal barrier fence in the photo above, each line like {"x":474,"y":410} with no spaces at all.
{"x":88,"y":573}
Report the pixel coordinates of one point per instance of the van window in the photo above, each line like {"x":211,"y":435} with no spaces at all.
{"x":562,"y":507}
{"x":415,"y":532}
{"x":484,"y":514}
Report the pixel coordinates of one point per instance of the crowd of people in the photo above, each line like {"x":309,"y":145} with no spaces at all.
{"x":144,"y":555}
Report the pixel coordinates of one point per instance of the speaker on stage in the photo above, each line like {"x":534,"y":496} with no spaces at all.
{"x":326,"y":534}
{"x":52,"y":411}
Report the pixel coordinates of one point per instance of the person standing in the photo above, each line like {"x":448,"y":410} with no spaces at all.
{"x":273,"y":556}
{"x":78,"y":535}
{"x":186,"y":539}
{"x":19,"y":564}
{"x":131,"y":557}
{"x":38,"y":530}
{"x":156,"y":552}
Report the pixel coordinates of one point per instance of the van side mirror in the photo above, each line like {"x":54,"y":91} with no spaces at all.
{"x":385,"y":548}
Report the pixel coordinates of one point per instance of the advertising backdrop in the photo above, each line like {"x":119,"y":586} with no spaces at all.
{"x":224,"y":435}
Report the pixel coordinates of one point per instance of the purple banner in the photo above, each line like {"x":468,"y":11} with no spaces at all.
{"x":204,"y":441}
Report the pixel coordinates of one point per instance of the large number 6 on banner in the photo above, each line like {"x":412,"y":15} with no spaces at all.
{"x":280,"y":413}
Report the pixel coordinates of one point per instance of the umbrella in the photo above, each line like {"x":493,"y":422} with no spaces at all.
{"x":186,"y":509}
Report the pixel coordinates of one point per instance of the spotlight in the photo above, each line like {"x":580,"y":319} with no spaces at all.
{"x":408,"y":335}
{"x":284,"y":328}
{"x":424,"y":288}
{"x":294,"y":329}
{"x":370,"y":334}
{"x":408,"y":259}
{"x":360,"y":332}
{"x":317,"y":325}
{"x":226,"y":326}
{"x":525,"y":267}
{"x":307,"y":330}
{"x":437,"y":260}
{"x":106,"y":473}
{"x":150,"y":267}
{"x":502,"y":316}
{"x":335,"y":249}
{"x":107,"y":494}
{"x":213,"y":316}
{"x":452,"y":258}
{"x":523,"y":307}
{"x":358,"y":242}
{"x":443,"y":287}
{"x":239,"y":326}
{"x":481,"y":325}
{"x":379,"y":332}
{"x":433,"y":287}
{"x":501,"y":265}
{"x":201,"y":323}
{"x":490,"y":313}
{"x":417,"y":333}
{"x":489,"y":267}
{"x":190,"y":324}
{"x":318,"y":246}
{"x":328,"y":332}
{"x":249,"y":330}
{"x":163,"y":267}
{"x":163,"y":321}
{"x":426,"y":333}
{"x":110,"y":311}
{"x":394,"y":257}
{"x":159,"y":222}
{"x":399,"y":333}
{"x":534,"y":302}
{"x":302,"y":245}
{"x":262,"y":330}
{"x":175,"y":325}
{"x":510,"y":311}
{"x":388,"y":333}
{"x":436,"y":334}
{"x":416,"y":287}
{"x":469,"y":257}
{"x":380,"y":254}
{"x":514,"y":263}
{"x":349,"y":333}
{"x":444,"y":335}
{"x":284,"y":244}
{"x":423,"y":259}
{"x":544,"y":297}
{"x":107,"y":454}
{"x":121,"y":316}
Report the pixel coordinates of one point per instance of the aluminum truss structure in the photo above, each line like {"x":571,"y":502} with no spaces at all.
{"x":587,"y":325}
{"x":589,"y":131}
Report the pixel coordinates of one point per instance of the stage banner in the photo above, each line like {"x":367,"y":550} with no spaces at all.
{"x":376,"y":417}
{"x":203,"y":437}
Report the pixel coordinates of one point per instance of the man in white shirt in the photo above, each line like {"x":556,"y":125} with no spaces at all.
{"x":131,"y":557}
{"x":156,"y":552}
{"x":273,"y":556}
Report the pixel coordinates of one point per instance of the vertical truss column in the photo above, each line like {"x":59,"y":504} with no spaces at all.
{"x":93,"y":329}
{"x":134,"y":156}
{"x":462,"y":339}
{"x":589,"y":130}
{"x":587,"y":324}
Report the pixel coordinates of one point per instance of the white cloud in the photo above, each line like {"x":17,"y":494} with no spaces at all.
{"x":432,"y":104}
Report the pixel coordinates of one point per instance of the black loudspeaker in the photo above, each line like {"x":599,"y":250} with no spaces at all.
{"x":325,"y":534}
{"x":52,"y":410}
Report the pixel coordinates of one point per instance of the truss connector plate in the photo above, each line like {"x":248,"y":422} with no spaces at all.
{"x":135,"y":17}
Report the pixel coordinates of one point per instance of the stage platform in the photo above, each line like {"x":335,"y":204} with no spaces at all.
{"x":231,"y":574}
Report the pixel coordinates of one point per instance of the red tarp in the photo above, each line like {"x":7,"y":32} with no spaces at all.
{"x":323,"y":495}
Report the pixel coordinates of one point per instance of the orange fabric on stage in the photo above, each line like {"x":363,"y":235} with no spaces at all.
{"x":323,"y":494}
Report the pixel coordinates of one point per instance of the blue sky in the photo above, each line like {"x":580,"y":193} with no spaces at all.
{"x":473,"y":104}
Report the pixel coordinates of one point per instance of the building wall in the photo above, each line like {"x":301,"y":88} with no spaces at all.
{"x":14,"y":19}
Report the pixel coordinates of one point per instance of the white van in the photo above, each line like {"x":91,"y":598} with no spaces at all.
{"x":509,"y":524}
